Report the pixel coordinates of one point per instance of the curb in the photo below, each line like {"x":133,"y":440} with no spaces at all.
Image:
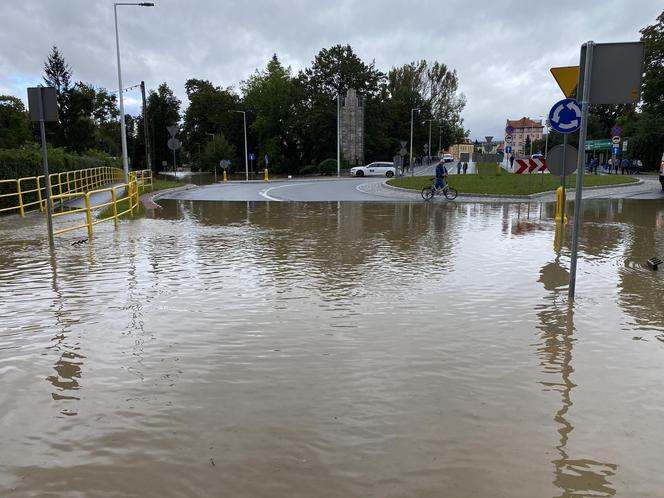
{"x":156,"y":195}
{"x":524,"y":197}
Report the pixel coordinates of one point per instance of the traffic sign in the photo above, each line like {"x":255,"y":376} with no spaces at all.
{"x":561,"y":160}
{"x":508,"y":149}
{"x":616,"y":150}
{"x":598,"y":144}
{"x":508,"y":139}
{"x":252,"y":156}
{"x":616,"y":140}
{"x":267,"y":160}
{"x":524,"y":166}
{"x":567,"y":78}
{"x":616,"y":130}
{"x":174,"y":144}
{"x":509,"y":129}
{"x":173,"y":130}
{"x":224,"y":163}
{"x":625,"y":145}
{"x":565,"y":116}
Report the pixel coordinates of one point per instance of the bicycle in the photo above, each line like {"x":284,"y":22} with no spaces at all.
{"x":428,"y":193}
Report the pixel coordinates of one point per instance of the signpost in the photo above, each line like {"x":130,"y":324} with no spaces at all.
{"x":252,"y":157}
{"x":610,"y":73}
{"x":603,"y":144}
{"x":43,"y":106}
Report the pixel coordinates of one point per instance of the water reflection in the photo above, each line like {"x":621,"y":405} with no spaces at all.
{"x":67,"y":367}
{"x":573,"y":476}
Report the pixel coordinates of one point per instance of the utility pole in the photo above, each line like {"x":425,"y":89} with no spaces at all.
{"x":146,"y":133}
{"x":338,"y":134}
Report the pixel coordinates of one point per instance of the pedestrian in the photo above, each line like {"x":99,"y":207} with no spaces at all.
{"x":459,"y":168}
{"x":512,"y":161}
{"x":465,"y":167}
{"x":624,"y":165}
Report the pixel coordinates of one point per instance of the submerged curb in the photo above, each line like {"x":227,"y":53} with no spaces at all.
{"x":149,"y":200}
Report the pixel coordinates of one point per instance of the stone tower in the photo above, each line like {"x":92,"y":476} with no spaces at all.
{"x":352,"y":128}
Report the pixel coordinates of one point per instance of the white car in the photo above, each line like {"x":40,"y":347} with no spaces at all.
{"x":448,"y":158}
{"x":374,"y":169}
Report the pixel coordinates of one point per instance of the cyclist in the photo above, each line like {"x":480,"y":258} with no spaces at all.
{"x":441,"y":175}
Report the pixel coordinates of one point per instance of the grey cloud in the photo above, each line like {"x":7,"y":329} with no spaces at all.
{"x":501,"y":50}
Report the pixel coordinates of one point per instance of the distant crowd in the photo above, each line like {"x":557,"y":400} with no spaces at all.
{"x":615,"y":166}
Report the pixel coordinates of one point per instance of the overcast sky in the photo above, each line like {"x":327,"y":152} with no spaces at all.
{"x":502,"y":51}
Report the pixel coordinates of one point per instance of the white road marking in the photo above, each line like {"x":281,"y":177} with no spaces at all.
{"x":264,"y":193}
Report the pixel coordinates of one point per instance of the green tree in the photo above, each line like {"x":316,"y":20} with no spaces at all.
{"x":210,"y":111}
{"x":271,"y":96}
{"x":333,"y":71}
{"x":57,"y":73}
{"x":163,"y":109}
{"x":216,"y":150}
{"x":14,"y":125}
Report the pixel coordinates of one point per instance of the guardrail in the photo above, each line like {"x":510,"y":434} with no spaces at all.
{"x":28,"y":192}
{"x":117,"y":203}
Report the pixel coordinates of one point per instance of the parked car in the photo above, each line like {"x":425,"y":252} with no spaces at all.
{"x":661,"y":172}
{"x":374,"y":169}
{"x":537,"y":155}
{"x":448,"y":158}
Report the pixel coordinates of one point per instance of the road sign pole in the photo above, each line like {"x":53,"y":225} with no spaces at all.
{"x":578,"y":198}
{"x":562,"y":183}
{"x":47,"y":180}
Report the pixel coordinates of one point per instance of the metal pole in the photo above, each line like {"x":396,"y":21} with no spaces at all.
{"x":175,"y":167}
{"x":246,"y":155}
{"x":578,"y":198}
{"x":562,"y":180}
{"x":440,"y":138}
{"x":412,"y":170}
{"x":123,"y":131}
{"x":338,"y":97}
{"x":148,"y":159}
{"x":47,"y":186}
{"x":429,"y":151}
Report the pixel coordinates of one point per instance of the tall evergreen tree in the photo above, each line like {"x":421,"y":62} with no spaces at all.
{"x":57,"y":73}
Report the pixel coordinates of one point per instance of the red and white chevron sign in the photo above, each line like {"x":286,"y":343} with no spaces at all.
{"x":525,"y":166}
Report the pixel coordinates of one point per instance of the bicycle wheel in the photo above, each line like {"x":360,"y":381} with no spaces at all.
{"x":450,"y":193}
{"x":428,"y":193}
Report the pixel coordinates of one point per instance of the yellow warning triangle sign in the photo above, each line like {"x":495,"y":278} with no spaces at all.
{"x":567,"y":78}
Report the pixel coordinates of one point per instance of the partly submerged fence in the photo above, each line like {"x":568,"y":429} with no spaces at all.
{"x":70,"y":187}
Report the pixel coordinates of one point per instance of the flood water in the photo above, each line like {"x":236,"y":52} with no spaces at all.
{"x":335,"y":350}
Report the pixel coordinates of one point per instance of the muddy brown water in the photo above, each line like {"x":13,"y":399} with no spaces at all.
{"x":334,"y":349}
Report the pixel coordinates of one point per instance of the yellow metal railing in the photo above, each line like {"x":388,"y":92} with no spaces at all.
{"x":117,"y":203}
{"x":24,"y":193}
{"x":28,"y":192}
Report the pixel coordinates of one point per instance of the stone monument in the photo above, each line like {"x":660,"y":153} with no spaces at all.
{"x":352,"y":128}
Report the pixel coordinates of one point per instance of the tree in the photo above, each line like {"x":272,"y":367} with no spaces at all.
{"x":215,"y":151}
{"x":57,"y":73}
{"x":14,"y":125}
{"x":271,"y":96}
{"x":164,"y":110}
{"x":210,"y":111}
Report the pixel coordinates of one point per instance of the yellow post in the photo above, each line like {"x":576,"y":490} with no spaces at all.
{"x":558,"y":238}
{"x":115,"y":207}
{"x":39,"y":196}
{"x":88,"y":214}
{"x":266,"y":178}
{"x":561,"y":198}
{"x":130,"y":198}
{"x":20,"y":198}
{"x":225,"y":177}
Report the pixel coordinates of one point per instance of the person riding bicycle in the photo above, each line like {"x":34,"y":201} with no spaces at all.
{"x":441,"y":175}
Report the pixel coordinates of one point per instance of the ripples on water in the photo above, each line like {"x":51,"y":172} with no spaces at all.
{"x":275,"y":349}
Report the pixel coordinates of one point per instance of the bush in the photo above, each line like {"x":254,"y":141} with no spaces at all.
{"x":310,"y":169}
{"x":328,"y":167}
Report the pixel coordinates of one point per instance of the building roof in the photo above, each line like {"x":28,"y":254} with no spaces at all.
{"x":524,"y":123}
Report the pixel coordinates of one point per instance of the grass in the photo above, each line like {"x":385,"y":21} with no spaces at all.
{"x":509,"y":184}
{"x":107,"y":212}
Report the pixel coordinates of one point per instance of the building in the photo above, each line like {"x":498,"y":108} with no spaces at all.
{"x":352,"y":128}
{"x":466,"y":147}
{"x":524,"y":127}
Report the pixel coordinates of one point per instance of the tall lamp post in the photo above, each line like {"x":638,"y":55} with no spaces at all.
{"x":246,"y":154}
{"x":338,"y":135}
{"x":430,"y":147}
{"x":123,"y":130}
{"x":412,"y":114}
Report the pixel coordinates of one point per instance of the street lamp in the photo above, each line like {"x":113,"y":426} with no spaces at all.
{"x":412,"y":114}
{"x":123,"y":131}
{"x":246,"y":154}
{"x":430,"y":148}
